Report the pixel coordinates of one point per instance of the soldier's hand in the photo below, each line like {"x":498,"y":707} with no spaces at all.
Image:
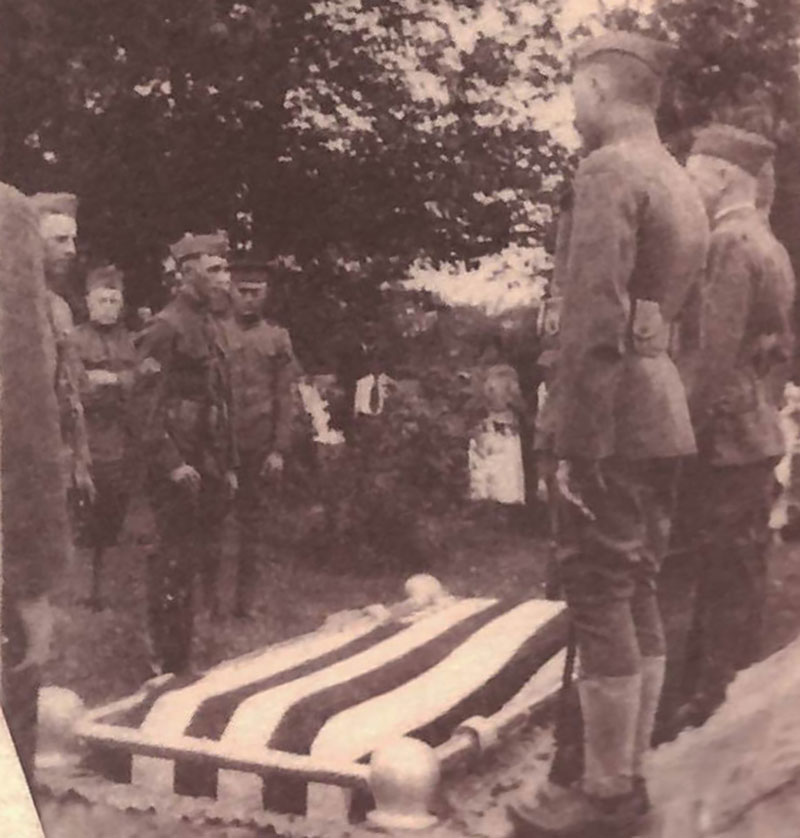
{"x":272,"y":465}
{"x":186,"y":475}
{"x":232,"y":483}
{"x":82,"y":479}
{"x":149,"y":367}
{"x":38,"y":619}
{"x":102,"y":378}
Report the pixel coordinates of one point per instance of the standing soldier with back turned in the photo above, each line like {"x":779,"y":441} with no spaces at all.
{"x":748,"y":301}
{"x":635,"y":252}
{"x":190,"y":447}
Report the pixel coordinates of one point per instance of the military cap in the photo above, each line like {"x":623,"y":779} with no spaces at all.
{"x":105,"y":276}
{"x":656,"y":55}
{"x":55,"y":203}
{"x":744,"y":149}
{"x":194,"y":244}
{"x":250,"y":272}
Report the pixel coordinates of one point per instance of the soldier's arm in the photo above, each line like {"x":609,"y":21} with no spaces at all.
{"x":284,"y":402}
{"x":126,"y":374}
{"x":729,"y":296}
{"x":154,"y":360}
{"x":600,"y":261}
{"x":71,"y":385}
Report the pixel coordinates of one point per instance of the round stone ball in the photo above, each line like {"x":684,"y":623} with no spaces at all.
{"x":59,"y":710}
{"x":423,"y":589}
{"x":404,"y":779}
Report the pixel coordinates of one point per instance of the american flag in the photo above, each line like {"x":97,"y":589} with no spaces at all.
{"x":333,"y":696}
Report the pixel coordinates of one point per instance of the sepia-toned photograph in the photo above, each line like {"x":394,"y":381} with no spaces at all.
{"x":399,"y":418}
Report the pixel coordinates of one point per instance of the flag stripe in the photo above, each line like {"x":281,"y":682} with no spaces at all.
{"x":301,"y":724}
{"x":213,"y":715}
{"x":479,"y":672}
{"x":490,"y":697}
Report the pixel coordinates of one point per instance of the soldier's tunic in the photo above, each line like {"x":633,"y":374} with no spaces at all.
{"x":263,"y":369}
{"x":636,"y":247}
{"x":69,"y":380}
{"x":724,"y":516}
{"x":187,"y":422}
{"x":108,"y":419}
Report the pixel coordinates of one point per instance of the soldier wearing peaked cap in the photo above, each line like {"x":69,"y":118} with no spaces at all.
{"x":263,"y":371}
{"x":748,"y":297}
{"x":58,"y":229}
{"x":107,"y":353}
{"x":631,"y":260}
{"x":189,"y":443}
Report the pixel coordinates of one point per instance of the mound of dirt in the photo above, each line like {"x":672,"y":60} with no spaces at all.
{"x":739,"y":775}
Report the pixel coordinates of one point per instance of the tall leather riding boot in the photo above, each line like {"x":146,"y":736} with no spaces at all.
{"x":210,"y":577}
{"x":610,"y":707}
{"x":605,"y":802}
{"x":653,"y":671}
{"x":245,"y":578}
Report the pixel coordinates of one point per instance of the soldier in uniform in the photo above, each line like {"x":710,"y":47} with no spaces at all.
{"x":107,"y":353}
{"x":35,"y":532}
{"x":58,"y":229}
{"x":189,"y":441}
{"x":263,"y":371}
{"x":749,"y":293}
{"x":636,"y":247}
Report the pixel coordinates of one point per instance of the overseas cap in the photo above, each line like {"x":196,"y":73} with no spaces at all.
{"x":192,"y":244}
{"x":55,"y":203}
{"x":744,"y":149}
{"x":250,"y":272}
{"x":105,"y":276}
{"x":656,"y":55}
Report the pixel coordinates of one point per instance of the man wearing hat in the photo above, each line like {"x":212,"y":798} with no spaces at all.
{"x":106,"y":350}
{"x":263,"y":371}
{"x":58,"y":229}
{"x":749,"y":291}
{"x":189,"y":444}
{"x":635,"y":250}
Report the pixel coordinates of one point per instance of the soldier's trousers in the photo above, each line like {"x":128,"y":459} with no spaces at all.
{"x":189,"y":526}
{"x":613,"y":531}
{"x":251,"y":507}
{"x":714,"y":581}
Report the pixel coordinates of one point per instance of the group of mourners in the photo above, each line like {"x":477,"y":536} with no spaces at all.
{"x":670,"y":344}
{"x":195,"y":407}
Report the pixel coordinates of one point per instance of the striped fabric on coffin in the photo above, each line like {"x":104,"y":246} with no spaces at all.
{"x":340,"y":698}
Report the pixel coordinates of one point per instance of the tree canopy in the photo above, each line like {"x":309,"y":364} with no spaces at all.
{"x":348,"y":139}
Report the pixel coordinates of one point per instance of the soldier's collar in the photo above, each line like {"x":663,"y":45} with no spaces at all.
{"x":733,"y":209}
{"x":189,"y":296}
{"x":632,"y":127}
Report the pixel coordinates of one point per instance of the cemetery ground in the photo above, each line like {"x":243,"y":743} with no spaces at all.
{"x":303,"y":578}
{"x":480,"y":550}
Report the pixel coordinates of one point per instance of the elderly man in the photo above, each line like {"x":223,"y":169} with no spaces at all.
{"x":106,"y":350}
{"x":189,"y":441}
{"x":35,"y":533}
{"x":263,"y":369}
{"x":59,"y":230}
{"x":749,"y":292}
{"x":634,"y":252}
